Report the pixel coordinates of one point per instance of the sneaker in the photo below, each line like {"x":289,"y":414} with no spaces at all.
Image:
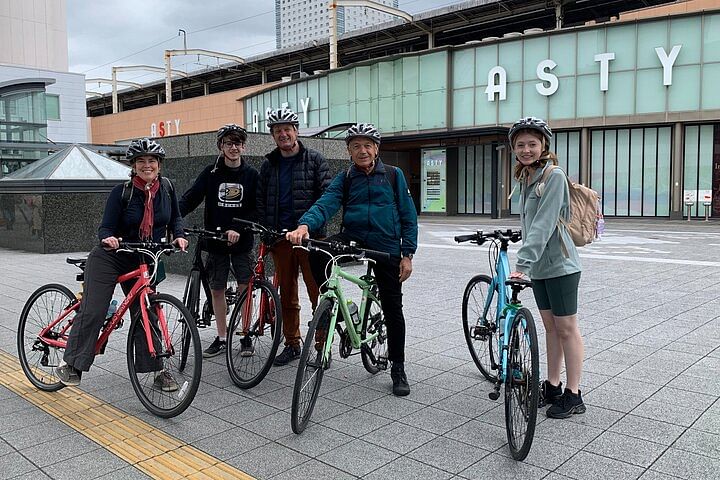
{"x":568,"y":404}
{"x":401,"y":387}
{"x":549,"y":393}
{"x":68,"y":375}
{"x":216,"y":348}
{"x":247,"y":349}
{"x":165,"y":382}
{"x":288,"y":354}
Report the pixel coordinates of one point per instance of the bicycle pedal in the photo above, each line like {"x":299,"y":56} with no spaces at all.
{"x":382,"y":363}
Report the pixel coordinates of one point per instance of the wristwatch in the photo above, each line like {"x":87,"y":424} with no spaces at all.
{"x":408,"y":255}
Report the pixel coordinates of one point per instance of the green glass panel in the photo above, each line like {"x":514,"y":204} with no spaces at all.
{"x":562,"y":102}
{"x":590,"y":43}
{"x":619,"y":97}
{"x":274,"y":100}
{"x":313,"y":93}
{"x":323,"y":88}
{"x":510,"y":54}
{"x":487,"y":178}
{"x":314,"y":118}
{"x":485,"y":59}
{"x":433,"y":71}
{"x":485,"y":112}
{"x":649,"y":91}
{"x":690,"y":172}
{"x":574,"y":156}
{"x":683,"y":93}
{"x":470,"y":180}
{"x":563,"y":51}
{"x":362,"y":82}
{"x":560,"y":147}
{"x":479,"y":177}
{"x":302,"y":92}
{"x":462,"y":175}
{"x":649,"y":172}
{"x":410,"y":117}
{"x":662,"y":198}
{"x":338,"y":88}
{"x":511,"y":107}
{"x":386,"y":79}
{"x":324,"y":117}
{"x":340,"y":114}
{"x":710,"y":81}
{"x":711,"y":38}
{"x":622,"y":199}
{"x":398,"y":121}
{"x":608,"y":172}
{"x":705,"y":163}
{"x":463,"y":107}
{"x":374,"y":81}
{"x":596,"y":161}
{"x":52,"y":106}
{"x":688,"y":33}
{"x":351,"y":86}
{"x":534,"y":50}
{"x":636,"y":171}
{"x":534,"y":104}
{"x":386,"y":111}
{"x":410,"y":80}
{"x":464,"y":68}
{"x":650,"y":35}
{"x":433,"y":110}
{"x":621,"y":40}
{"x":589,"y":98}
{"x":292,"y":97}
{"x":398,"y":77}
{"x":363,"y":112}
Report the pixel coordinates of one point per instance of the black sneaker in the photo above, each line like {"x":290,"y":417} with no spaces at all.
{"x":68,"y":375}
{"x":568,"y":404}
{"x":288,"y":354}
{"x":401,"y":387}
{"x":165,"y":382}
{"x":549,"y":393}
{"x":216,"y":348}
{"x":247,"y":349}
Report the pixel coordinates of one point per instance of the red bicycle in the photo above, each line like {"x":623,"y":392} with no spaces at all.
{"x":256,"y":320}
{"x":165,"y":331}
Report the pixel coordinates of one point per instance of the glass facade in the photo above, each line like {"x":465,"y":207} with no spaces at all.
{"x":474,"y":179}
{"x":23,"y":119}
{"x":698,"y":172}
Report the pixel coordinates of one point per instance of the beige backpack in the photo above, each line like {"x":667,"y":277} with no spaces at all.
{"x":584,"y":210}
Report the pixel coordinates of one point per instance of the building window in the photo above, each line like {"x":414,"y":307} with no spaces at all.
{"x":52,"y":105}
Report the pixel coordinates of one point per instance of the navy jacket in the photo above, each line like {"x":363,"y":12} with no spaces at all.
{"x":125,"y":223}
{"x":371,"y":215}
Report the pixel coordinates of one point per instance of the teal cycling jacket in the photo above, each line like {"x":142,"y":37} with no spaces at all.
{"x":371,"y":216}
{"x":542,"y":254}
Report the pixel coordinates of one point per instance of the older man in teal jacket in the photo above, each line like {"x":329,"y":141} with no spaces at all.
{"x":378,"y":213}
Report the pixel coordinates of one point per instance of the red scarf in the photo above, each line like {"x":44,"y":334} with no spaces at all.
{"x":150,"y":189}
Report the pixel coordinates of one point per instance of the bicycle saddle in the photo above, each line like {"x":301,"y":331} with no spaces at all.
{"x":79,"y":262}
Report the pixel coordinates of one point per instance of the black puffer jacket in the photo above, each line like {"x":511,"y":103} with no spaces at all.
{"x":311,"y":176}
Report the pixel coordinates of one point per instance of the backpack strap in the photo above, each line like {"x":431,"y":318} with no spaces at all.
{"x":561,"y":220}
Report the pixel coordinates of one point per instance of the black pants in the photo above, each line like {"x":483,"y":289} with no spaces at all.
{"x":387,"y":276}
{"x":101,"y":272}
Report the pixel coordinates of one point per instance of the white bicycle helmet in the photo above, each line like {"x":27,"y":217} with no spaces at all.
{"x":144,"y":146}
{"x":282,"y":116}
{"x":363,"y":130}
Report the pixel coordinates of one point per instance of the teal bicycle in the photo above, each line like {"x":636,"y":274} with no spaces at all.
{"x":359,"y":328}
{"x":502,"y":339}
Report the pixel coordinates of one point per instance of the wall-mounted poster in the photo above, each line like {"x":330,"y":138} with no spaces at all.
{"x":434,"y":183}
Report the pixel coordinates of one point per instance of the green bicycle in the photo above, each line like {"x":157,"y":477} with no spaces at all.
{"x":358,"y":327}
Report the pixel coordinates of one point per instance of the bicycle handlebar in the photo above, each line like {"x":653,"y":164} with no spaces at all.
{"x":480,"y":237}
{"x":253,"y":227}
{"x":342,"y":248}
{"x":157,"y":247}
{"x":201,"y":232}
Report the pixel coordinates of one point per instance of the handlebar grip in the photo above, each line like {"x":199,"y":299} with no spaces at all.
{"x":377,"y":256}
{"x":247,"y":223}
{"x":466,"y":238}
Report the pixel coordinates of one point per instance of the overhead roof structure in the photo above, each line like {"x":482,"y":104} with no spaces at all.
{"x":451,"y":25}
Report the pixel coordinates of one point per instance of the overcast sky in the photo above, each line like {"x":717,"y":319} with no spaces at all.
{"x":102,"y":34}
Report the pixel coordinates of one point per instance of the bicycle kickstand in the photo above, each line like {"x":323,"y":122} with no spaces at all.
{"x":495,"y":394}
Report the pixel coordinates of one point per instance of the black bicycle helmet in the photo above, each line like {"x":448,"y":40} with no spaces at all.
{"x":531,"y":123}
{"x":228,"y":129}
{"x":363,"y":130}
{"x":144,"y":146}
{"x":282,"y":116}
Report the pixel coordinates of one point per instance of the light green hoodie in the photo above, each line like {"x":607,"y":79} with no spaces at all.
{"x":542,"y":255}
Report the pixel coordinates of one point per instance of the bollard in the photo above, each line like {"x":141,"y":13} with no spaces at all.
{"x":689,"y":206}
{"x":707,"y":210}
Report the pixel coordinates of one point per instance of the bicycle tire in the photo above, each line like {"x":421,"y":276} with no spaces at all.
{"x":522,"y":385}
{"x":265,"y":334}
{"x":191,"y":299}
{"x":374,"y":353}
{"x":42,"y":307}
{"x":311,"y":369}
{"x":482,"y":332}
{"x":167,"y":404}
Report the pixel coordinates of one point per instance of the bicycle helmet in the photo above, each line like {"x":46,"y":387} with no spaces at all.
{"x":531,"y":123}
{"x":144,"y":146}
{"x":363,"y":130}
{"x":228,"y":129}
{"x":282,"y":116}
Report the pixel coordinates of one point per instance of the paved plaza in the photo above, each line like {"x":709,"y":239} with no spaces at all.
{"x":649,"y":312}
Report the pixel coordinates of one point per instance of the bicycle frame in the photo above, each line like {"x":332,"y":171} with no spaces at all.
{"x":257,"y":274}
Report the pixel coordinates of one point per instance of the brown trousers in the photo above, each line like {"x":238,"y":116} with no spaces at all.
{"x":288,"y":263}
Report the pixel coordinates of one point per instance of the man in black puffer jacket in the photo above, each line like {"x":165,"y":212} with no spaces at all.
{"x":291,"y":179}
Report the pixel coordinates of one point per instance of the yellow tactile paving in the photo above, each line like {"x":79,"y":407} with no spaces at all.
{"x":152,"y":451}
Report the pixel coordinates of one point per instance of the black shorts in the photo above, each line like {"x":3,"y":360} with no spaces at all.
{"x":218,"y":268}
{"x":558,"y":294}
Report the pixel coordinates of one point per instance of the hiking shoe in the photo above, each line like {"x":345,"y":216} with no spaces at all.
{"x":216,"y":348}
{"x":247,"y":349}
{"x":568,"y":404}
{"x":549,"y":393}
{"x":288,"y":354}
{"x":401,"y":387}
{"x":165,"y":382}
{"x":68,"y":375}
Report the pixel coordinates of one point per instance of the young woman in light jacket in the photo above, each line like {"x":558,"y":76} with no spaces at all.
{"x":548,"y":256}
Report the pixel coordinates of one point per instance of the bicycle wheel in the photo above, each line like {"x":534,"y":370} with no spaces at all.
{"x":39,"y":360}
{"x":250,"y":353}
{"x":311,"y":367}
{"x":482,"y":332}
{"x":522,"y":384}
{"x":191,"y":299}
{"x":374,"y":353}
{"x":166,"y":385}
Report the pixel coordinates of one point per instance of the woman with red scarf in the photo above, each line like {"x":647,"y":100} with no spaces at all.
{"x":149,"y":214}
